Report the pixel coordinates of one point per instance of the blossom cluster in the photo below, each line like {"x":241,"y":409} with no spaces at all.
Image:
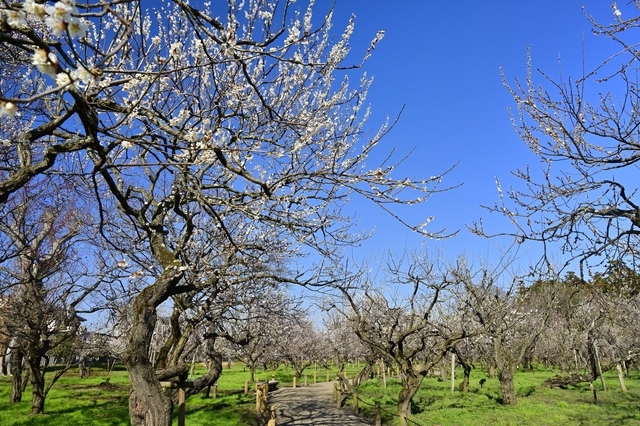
{"x":47,"y":64}
{"x":59,"y":17}
{"x":63,"y":16}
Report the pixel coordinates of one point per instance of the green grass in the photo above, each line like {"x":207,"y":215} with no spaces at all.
{"x":434,"y":403}
{"x":75,"y":401}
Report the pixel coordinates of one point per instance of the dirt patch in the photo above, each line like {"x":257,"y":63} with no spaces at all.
{"x":311,"y":405}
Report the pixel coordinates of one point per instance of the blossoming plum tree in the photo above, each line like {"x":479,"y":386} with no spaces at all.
{"x":184,"y":123}
{"x":584,"y":203}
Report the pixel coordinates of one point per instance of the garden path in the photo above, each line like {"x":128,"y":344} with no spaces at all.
{"x":311,"y":405}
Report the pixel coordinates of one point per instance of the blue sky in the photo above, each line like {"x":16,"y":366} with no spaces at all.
{"x":441,"y":60}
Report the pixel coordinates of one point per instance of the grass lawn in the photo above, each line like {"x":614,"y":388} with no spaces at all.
{"x":93,"y":401}
{"x":434,"y":404}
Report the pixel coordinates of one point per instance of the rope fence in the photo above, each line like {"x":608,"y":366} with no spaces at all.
{"x":378,"y":410}
{"x":345,"y":388}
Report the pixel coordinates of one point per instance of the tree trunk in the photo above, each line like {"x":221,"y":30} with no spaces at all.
{"x":491,"y":370}
{"x":37,"y":385}
{"x":206,"y":381}
{"x":466,"y":368}
{"x":17,"y":357}
{"x":5,"y":354}
{"x":410,"y":385}
{"x":505,"y":376}
{"x":148,"y":404}
{"x":443,"y":372}
{"x":365,"y":373}
{"x":82,"y":368}
{"x":464,"y":386}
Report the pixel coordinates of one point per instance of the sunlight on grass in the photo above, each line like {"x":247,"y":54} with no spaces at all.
{"x":103,"y":400}
{"x":434,"y":403}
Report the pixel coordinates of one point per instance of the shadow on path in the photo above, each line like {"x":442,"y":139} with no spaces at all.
{"x":311,"y":405}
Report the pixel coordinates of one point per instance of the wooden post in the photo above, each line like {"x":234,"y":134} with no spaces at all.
{"x":623,"y":386}
{"x":295,"y":381}
{"x":315,"y":377}
{"x":272,"y":416}
{"x":327,"y":376}
{"x":453,"y":373}
{"x":378,"y":415}
{"x":262,"y":391}
{"x":181,"y":405}
{"x":181,"y":397}
{"x":215,"y":390}
{"x":305,"y":380}
{"x":258,"y":398}
{"x":384,"y":379}
{"x":246,"y":387}
{"x":355,"y":402}
{"x":335,"y":391}
{"x":604,"y":386}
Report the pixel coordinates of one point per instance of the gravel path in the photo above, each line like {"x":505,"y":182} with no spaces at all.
{"x":311,"y":405}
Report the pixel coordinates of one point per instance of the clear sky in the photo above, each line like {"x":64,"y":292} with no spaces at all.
{"x":441,"y":60}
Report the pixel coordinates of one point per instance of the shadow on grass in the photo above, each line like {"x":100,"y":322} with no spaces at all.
{"x":110,"y":412}
{"x":235,"y":408}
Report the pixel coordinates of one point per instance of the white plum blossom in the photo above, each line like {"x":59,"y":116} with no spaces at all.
{"x":59,"y":17}
{"x":191,"y":136}
{"x":616,"y":11}
{"x":199,"y":50}
{"x":175,"y":49}
{"x":63,"y":79}
{"x":57,"y":26}
{"x":45,"y":62}
{"x":265,"y":15}
{"x":35,"y":9}
{"x":78,"y":28}
{"x":82,"y":74}
{"x":8,"y":109}
{"x":15,"y":18}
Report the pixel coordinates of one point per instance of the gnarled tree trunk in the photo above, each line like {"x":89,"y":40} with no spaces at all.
{"x":37,"y":385}
{"x":148,"y":404}
{"x":410,"y":385}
